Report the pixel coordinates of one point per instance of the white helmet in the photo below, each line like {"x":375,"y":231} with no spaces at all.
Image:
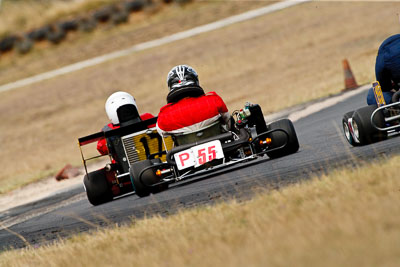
{"x":115,"y":101}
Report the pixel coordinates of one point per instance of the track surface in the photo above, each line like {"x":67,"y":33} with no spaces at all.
{"x":322,"y":148}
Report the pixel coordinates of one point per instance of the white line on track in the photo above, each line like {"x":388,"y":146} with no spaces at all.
{"x":301,"y":111}
{"x":150,"y":44}
{"x":314,"y":108}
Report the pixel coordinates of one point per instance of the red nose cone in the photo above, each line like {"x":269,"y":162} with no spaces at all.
{"x":180,"y":81}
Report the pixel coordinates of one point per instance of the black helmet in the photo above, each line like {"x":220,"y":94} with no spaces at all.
{"x":183,"y":81}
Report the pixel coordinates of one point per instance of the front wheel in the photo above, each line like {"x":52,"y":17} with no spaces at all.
{"x":279,"y":138}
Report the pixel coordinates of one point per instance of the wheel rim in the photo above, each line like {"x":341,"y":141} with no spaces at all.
{"x":347,"y":131}
{"x":355,"y":130}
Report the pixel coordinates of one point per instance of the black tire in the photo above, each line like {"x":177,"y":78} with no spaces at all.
{"x":69,"y":25}
{"x":56,"y":35}
{"x":142,"y":186}
{"x":363,"y":128}
{"x":39,"y":34}
{"x":104,"y":14}
{"x":279,"y":138}
{"x":97,"y":188}
{"x":183,"y":2}
{"x":346,"y":130}
{"x":87,"y":24}
{"x":7,"y":43}
{"x":134,"y":6}
{"x":24,"y":45}
{"x":119,"y":16}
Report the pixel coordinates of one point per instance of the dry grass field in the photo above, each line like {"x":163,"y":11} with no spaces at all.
{"x":277,"y":60}
{"x":20,"y":16}
{"x":349,"y":218}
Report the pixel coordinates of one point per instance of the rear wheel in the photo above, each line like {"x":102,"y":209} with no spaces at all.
{"x":96,"y":186}
{"x":279,"y":138}
{"x":362,"y":126}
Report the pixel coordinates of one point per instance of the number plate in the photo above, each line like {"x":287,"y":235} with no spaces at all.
{"x":198,"y":155}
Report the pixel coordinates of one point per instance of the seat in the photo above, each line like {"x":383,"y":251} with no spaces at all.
{"x":207,"y":132}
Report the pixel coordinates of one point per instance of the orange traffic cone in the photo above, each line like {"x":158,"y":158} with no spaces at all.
{"x":349,"y":80}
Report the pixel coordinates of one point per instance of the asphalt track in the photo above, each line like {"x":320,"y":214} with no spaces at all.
{"x":322,"y":148}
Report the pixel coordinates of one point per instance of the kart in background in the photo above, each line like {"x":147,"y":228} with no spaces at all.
{"x":132,"y":142}
{"x":211,"y":149}
{"x":373,"y":123}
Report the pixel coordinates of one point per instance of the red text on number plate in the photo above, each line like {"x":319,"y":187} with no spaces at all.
{"x":198,"y":155}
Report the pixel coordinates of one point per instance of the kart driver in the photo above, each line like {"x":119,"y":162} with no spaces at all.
{"x":189,"y":109}
{"x":126,"y":106}
{"x":387,"y":69}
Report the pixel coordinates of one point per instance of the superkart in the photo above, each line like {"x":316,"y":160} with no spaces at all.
{"x":373,"y":123}
{"x":212,"y":148}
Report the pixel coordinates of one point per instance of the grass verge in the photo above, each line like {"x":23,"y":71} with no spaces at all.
{"x":349,"y":218}
{"x":21,"y":16}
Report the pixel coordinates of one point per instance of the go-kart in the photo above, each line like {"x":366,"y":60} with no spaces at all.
{"x":373,"y":123}
{"x":134,"y":141}
{"x":213,"y":148}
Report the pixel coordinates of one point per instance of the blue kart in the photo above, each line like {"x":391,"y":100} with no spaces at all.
{"x":373,"y":123}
